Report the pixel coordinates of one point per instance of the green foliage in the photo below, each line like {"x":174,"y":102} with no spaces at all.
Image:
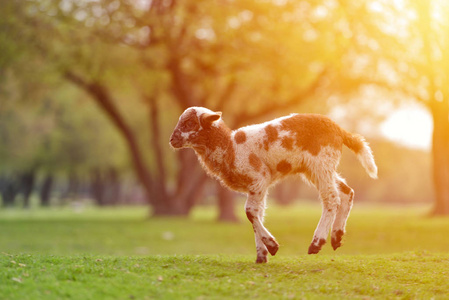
{"x":57,"y":133}
{"x":117,"y":253}
{"x":45,"y":123}
{"x":252,"y":59}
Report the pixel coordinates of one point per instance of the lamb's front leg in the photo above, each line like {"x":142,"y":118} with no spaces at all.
{"x":265,"y":242}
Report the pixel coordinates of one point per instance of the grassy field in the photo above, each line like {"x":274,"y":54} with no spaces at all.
{"x":118,"y":253}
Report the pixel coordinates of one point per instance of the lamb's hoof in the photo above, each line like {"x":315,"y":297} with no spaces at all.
{"x":261,"y":259}
{"x":273,"y":250}
{"x":336,"y":239}
{"x":271,"y":245}
{"x":315,"y":246}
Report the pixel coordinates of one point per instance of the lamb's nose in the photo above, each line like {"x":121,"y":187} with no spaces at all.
{"x":176,"y":139}
{"x":175,"y":136}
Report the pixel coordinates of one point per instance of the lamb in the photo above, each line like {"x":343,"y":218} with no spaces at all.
{"x":252,"y":158}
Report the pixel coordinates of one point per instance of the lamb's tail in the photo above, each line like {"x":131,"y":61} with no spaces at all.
{"x":357,"y":143}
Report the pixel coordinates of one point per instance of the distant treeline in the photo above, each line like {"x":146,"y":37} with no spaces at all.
{"x":404,"y":177}
{"x":101,"y":187}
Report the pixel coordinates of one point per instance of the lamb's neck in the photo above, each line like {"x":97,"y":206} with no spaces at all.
{"x":216,"y":147}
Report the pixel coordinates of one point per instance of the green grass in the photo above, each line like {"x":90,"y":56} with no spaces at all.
{"x":118,"y":253}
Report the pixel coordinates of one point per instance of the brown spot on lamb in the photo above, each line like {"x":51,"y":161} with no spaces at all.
{"x":284,"y":167}
{"x":270,"y":137}
{"x":240,"y":137}
{"x":287,"y":143}
{"x":311,"y":132}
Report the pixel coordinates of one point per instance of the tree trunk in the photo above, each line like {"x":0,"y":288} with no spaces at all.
{"x":194,"y":191}
{"x":98,"y":187}
{"x":72,"y":190}
{"x":226,"y":207}
{"x":163,"y":201}
{"x":113,"y":186}
{"x":189,"y":185}
{"x":26,"y":186}
{"x":440,"y":156}
{"x":45,"y":193}
{"x":440,"y":113}
{"x":8,"y":189}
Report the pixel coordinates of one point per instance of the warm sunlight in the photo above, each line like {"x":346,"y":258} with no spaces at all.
{"x":410,"y":126}
{"x":142,"y":142}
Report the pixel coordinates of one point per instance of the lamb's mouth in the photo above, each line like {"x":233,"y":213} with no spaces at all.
{"x":176,"y":143}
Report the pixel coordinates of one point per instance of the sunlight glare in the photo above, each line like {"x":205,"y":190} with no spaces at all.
{"x":410,"y":126}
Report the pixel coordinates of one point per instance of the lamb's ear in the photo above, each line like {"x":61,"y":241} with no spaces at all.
{"x":208,"y":118}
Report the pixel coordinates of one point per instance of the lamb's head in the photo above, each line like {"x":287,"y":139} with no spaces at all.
{"x":193,"y":127}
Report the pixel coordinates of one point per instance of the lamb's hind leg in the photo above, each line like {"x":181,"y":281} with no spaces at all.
{"x":265,"y":242}
{"x":261,"y":249}
{"x":347,"y":197}
{"x":330,"y":202}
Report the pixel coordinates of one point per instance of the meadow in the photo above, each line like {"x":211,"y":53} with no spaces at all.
{"x":119,"y":253}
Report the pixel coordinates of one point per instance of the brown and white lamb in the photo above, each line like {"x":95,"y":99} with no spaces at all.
{"x":252,"y":158}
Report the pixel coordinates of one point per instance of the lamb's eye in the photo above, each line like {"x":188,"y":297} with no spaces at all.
{"x":190,"y":124}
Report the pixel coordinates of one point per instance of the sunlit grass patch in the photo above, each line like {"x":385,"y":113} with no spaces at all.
{"x":120,"y":253}
{"x":129,"y":231}
{"x":406,"y":276}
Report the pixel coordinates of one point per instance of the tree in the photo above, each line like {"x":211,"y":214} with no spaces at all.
{"x":434,"y":65}
{"x":184,"y":35}
{"x":143,"y":63}
{"x":40,"y":134}
{"x":413,"y":61}
{"x":399,"y":46}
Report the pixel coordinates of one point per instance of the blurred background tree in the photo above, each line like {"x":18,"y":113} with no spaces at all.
{"x":143,"y":62}
{"x":427,"y":81}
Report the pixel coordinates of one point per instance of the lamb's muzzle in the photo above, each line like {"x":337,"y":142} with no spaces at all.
{"x":176,"y":140}
{"x":252,"y":158}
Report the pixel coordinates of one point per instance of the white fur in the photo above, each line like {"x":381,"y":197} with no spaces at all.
{"x":366,"y":158}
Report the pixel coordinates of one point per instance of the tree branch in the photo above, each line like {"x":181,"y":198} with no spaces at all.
{"x":245,"y":117}
{"x":102,"y":97}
